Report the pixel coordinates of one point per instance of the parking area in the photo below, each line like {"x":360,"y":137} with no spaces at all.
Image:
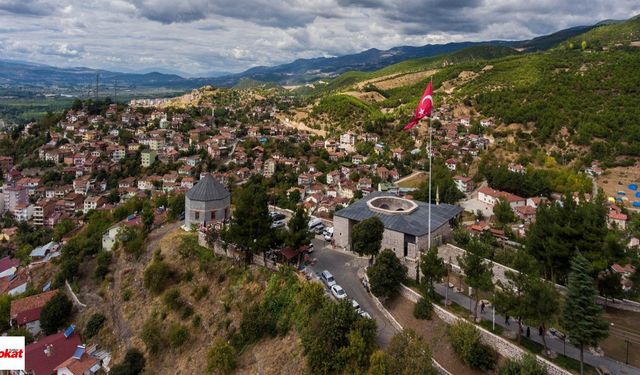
{"x":473,"y":205}
{"x":344,"y":267}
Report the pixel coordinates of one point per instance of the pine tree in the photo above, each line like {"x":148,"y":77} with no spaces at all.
{"x":581,"y":317}
{"x":433,"y":269}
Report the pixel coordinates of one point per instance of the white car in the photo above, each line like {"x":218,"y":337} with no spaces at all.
{"x":278,"y":224}
{"x":365,"y":314}
{"x":338,"y":292}
{"x":355,"y":305}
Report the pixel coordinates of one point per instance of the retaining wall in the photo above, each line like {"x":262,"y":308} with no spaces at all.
{"x":501,"y":345}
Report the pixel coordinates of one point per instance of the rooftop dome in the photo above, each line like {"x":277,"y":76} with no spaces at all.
{"x":389,"y":205}
{"x":208,"y":189}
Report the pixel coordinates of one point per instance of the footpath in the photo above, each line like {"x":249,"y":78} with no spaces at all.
{"x":555,"y":344}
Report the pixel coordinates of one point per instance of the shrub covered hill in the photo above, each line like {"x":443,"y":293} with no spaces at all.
{"x":585,"y":91}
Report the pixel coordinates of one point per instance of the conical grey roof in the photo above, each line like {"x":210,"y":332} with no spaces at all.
{"x":208,"y":189}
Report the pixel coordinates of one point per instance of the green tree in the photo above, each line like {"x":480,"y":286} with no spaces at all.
{"x":433,"y":270}
{"x":386,"y":274}
{"x":503,"y":212}
{"x":541,"y":304}
{"x":582,"y":317}
{"x":63,"y":227}
{"x":250,"y":227}
{"x":378,"y":363}
{"x":298,"y":234}
{"x":133,"y":363}
{"x":409,"y":354}
{"x":331,"y":332}
{"x":366,"y":236}
{"x":610,"y":284}
{"x":5,"y":312}
{"x":478,"y":274}
{"x":94,"y":324}
{"x":55,"y":313}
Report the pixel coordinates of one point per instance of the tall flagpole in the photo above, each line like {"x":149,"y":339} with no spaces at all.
{"x":430,"y":174}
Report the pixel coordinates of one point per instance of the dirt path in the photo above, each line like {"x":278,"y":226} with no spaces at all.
{"x":434,"y":331}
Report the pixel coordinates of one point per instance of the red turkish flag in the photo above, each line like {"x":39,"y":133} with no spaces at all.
{"x":424,"y":107}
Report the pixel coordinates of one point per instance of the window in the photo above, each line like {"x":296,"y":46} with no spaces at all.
{"x":197,"y":215}
{"x":213,"y":215}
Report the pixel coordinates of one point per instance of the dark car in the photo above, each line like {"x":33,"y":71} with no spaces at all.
{"x":278,"y":216}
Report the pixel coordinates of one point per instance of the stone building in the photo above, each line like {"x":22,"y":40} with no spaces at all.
{"x":406,"y":228}
{"x":207,"y":202}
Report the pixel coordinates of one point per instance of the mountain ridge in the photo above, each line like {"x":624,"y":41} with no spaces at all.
{"x":299,"y":71}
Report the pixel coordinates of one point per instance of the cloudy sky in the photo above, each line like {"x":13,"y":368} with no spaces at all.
{"x":200,"y":36}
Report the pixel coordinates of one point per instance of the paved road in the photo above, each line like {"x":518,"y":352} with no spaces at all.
{"x":557,"y":345}
{"x":344,"y":267}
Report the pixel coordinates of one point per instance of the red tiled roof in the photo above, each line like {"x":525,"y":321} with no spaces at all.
{"x":78,"y":367}
{"x":28,"y":309}
{"x":7,"y":262}
{"x":62,"y":349}
{"x":617,"y":216}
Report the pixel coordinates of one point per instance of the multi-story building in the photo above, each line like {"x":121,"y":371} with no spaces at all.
{"x":148,"y":157}
{"x":14,"y":195}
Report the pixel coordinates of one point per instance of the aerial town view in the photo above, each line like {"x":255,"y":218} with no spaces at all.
{"x":373,"y":187}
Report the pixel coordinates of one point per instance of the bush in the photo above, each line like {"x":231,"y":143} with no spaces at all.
{"x":528,"y":365}
{"x":221,"y":358}
{"x":158,"y":276}
{"x":133,"y":364}
{"x":172,"y":299}
{"x":186,"y":312}
{"x":256,"y":323}
{"x":103,"y":263}
{"x":200,"y":292}
{"x":178,"y":335}
{"x":152,"y":336}
{"x":423,"y":309}
{"x":55,"y":313}
{"x":126,"y":295}
{"x":465,"y":340}
{"x":94,"y":324}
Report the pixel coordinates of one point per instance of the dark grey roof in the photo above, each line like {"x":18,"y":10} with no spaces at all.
{"x":208,"y":189}
{"x":415,"y":223}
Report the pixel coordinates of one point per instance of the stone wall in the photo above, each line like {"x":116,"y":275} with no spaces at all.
{"x":449,"y":254}
{"x":341,"y":232}
{"x":501,"y":345}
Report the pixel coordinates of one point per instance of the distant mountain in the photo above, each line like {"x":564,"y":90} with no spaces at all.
{"x":19,"y":73}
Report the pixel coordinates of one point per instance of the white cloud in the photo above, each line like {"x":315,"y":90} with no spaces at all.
{"x":232,"y":35}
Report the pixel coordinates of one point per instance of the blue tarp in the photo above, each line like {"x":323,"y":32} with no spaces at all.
{"x":638,"y":194}
{"x":636,"y":204}
{"x":633,"y":187}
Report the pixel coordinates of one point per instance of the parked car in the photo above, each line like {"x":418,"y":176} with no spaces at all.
{"x":278,"y":224}
{"x":355,"y":305}
{"x":328,"y":234}
{"x":278,"y":216}
{"x":314,"y":223}
{"x":364,"y":314}
{"x":338,"y":292}
{"x":327,"y":278}
{"x":318,"y":229}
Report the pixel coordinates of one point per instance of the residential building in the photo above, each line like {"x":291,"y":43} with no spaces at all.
{"x":147,"y":158}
